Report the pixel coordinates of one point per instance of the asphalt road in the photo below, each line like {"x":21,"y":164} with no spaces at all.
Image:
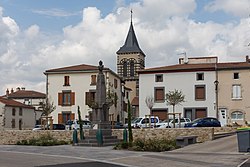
{"x":218,"y":153}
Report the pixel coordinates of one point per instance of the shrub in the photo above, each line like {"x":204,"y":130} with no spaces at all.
{"x":155,"y":145}
{"x":43,"y":140}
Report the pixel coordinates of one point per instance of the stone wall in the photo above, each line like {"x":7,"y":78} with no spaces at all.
{"x":204,"y":134}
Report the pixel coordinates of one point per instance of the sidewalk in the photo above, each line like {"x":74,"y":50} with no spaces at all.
{"x":220,"y":153}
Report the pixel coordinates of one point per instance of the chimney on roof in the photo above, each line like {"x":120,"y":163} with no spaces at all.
{"x":247,"y":59}
{"x":18,"y":88}
{"x":12,"y":90}
{"x":23,"y":88}
{"x":7,"y":92}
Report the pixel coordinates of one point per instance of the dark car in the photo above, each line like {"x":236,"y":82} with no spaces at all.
{"x":204,"y":122}
{"x":58,"y":127}
{"x":118,"y":125}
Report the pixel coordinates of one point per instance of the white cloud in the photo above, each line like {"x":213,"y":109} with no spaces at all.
{"x":163,"y":30}
{"x":32,"y":31}
{"x":238,"y":8}
{"x":55,"y":12}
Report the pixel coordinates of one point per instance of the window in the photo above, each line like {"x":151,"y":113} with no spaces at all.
{"x":20,"y":111}
{"x":66,"y":81}
{"x":200,"y":76}
{"x":132,"y":68}
{"x":237,"y":115}
{"x":125,"y":69}
{"x":90,"y":98}
{"x":236,"y":75}
{"x":66,"y":98}
{"x":127,"y":95}
{"x":158,"y":78}
{"x":236,"y":94}
{"x":200,"y":92}
{"x":115,"y":83}
{"x":13,"y":111}
{"x":13,"y":123}
{"x":93,"y":80}
{"x":65,"y":116}
{"x":159,"y":94}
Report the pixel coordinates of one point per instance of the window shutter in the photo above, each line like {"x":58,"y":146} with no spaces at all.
{"x":72,"y":116}
{"x":60,"y":118}
{"x":200,"y":93}
{"x":72,"y":102}
{"x":159,"y":94}
{"x":60,"y":98}
{"x":87,"y":98}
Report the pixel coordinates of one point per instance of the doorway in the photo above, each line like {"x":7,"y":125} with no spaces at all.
{"x":223,"y":116}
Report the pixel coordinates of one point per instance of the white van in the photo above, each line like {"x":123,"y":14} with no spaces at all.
{"x":144,"y":122}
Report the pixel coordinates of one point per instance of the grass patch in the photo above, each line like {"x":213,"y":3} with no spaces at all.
{"x":44,"y":140}
{"x":153,"y":145}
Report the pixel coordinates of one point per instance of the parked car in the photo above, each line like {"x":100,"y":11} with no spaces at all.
{"x":204,"y":122}
{"x":58,"y":127}
{"x":74,"y":124}
{"x":170,"y":123}
{"x":143,"y":122}
{"x":38,"y":127}
{"x":118,"y":125}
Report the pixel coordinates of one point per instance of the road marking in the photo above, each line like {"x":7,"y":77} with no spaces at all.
{"x":71,"y":157}
{"x":242,"y":163}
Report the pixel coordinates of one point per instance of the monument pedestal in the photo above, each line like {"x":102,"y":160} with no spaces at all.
{"x":107,"y":138}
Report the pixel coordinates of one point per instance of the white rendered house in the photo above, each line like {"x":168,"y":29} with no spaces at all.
{"x":194,"y":78}
{"x":73,"y":86}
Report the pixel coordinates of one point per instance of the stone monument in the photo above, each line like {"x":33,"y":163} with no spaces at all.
{"x":100,"y":116}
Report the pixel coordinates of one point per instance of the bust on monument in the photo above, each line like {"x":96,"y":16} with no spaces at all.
{"x":100,"y":67}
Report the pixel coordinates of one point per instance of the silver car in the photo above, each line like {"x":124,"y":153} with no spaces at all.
{"x":170,"y":123}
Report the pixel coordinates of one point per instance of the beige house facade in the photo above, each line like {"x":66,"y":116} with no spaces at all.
{"x":234,"y":92}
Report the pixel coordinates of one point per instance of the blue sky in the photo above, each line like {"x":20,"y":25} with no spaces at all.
{"x":53,"y":15}
{"x":37,"y":35}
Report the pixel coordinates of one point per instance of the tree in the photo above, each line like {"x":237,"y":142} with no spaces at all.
{"x":47,"y":107}
{"x":174,"y":98}
{"x":80,"y":122}
{"x":130,"y":135}
{"x":150,"y":103}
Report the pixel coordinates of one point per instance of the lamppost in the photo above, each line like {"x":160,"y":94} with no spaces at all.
{"x":216,"y":83}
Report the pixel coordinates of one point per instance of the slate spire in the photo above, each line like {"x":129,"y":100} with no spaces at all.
{"x":131,"y":44}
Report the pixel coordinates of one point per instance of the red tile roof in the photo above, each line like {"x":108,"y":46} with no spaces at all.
{"x":197,"y":67}
{"x":13,"y":103}
{"x":21,"y":94}
{"x":81,"y":67}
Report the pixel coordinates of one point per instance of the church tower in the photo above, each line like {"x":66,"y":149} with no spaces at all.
{"x":130,"y":59}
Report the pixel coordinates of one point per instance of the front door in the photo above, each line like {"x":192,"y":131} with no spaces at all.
{"x":223,"y":117}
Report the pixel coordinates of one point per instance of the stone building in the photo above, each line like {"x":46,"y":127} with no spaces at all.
{"x":131,"y":59}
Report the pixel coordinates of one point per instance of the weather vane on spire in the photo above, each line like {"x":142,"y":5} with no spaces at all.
{"x":131,"y":11}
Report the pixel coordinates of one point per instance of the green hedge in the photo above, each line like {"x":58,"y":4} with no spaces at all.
{"x":154,"y":145}
{"x":44,"y":140}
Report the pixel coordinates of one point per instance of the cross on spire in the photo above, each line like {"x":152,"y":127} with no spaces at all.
{"x":131,"y":11}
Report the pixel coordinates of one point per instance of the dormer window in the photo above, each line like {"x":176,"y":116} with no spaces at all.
{"x":66,"y":81}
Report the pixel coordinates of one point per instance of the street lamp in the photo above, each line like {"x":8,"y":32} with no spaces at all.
{"x":216,"y":83}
